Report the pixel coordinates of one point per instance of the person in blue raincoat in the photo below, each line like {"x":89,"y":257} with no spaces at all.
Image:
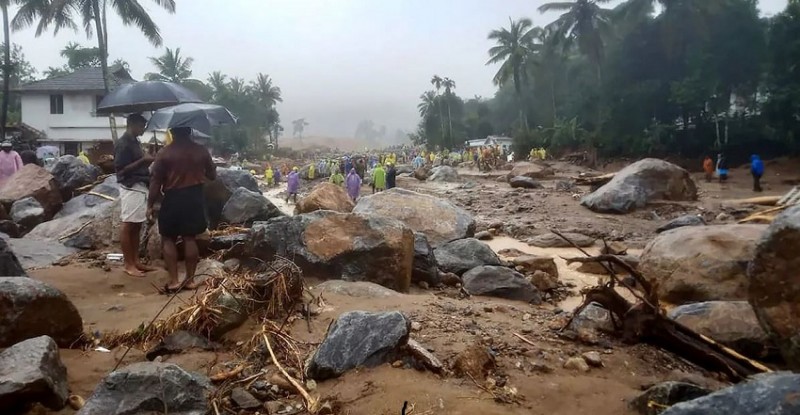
{"x":757,"y":170}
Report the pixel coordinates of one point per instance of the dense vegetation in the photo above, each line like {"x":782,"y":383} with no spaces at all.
{"x":648,"y":77}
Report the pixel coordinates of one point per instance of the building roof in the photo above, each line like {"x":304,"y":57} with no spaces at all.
{"x":82,"y":80}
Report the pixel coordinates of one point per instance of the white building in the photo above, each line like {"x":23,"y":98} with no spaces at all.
{"x":63,"y":109}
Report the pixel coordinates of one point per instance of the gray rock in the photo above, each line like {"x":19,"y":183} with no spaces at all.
{"x":209,"y":268}
{"x":9,"y":264}
{"x":524,"y":182}
{"x":244,"y":399}
{"x":686,"y":220}
{"x":484,"y":236}
{"x":234,"y":179}
{"x":577,"y":364}
{"x":179,"y":342}
{"x":71,"y":173}
{"x":501,"y":282}
{"x":732,"y":323}
{"x":425,"y":358}
{"x":533,"y":263}
{"x":233,"y":314}
{"x":27,"y":212}
{"x":220,"y":190}
{"x":551,"y":240}
{"x":37,"y":254}
{"x":443,"y":174}
{"x":639,"y":183}
{"x":439,"y":219}
{"x":357,"y":289}
{"x":593,"y":317}
{"x":66,"y":225}
{"x":425,"y":268}
{"x":31,"y":371}
{"x":348,"y":246}
{"x":543,"y":281}
{"x":774,"y":284}
{"x":463,"y":255}
{"x":148,"y":387}
{"x":359,"y":338}
{"x":245,"y":207}
{"x":87,"y":201}
{"x":768,"y":394}
{"x":31,"y":308}
{"x":231,"y":265}
{"x":665,"y":394}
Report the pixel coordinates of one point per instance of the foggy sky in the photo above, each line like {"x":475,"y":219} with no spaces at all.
{"x":337,"y":61}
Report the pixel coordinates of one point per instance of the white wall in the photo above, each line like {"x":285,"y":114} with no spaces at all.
{"x":77,"y":123}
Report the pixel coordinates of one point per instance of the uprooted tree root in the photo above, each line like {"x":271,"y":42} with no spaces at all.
{"x":270,"y":295}
{"x":645,"y":322}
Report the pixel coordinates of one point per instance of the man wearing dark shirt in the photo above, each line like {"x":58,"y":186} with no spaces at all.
{"x":179,"y":172}
{"x":133,"y":176}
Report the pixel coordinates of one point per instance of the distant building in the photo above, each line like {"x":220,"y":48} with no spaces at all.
{"x":492,"y":140}
{"x":63,"y":109}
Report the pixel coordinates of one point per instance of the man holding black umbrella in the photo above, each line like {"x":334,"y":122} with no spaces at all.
{"x":179,"y":172}
{"x":133,"y":175}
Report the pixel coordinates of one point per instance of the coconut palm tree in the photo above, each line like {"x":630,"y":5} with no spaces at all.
{"x":426,"y":107}
{"x":515,"y":47}
{"x":171,"y":67}
{"x":298,"y":126}
{"x":437,"y":81}
{"x":449,"y":85}
{"x":218,"y":83}
{"x":265,"y":92}
{"x":583,"y":22}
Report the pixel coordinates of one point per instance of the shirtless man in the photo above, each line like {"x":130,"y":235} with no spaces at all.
{"x":179,"y":171}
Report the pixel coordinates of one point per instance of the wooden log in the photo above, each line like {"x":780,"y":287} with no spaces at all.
{"x":594,"y":180}
{"x":761,"y":200}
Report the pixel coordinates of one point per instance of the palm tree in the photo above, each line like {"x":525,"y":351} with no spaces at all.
{"x":427,"y":105}
{"x":514,"y":48}
{"x":6,"y":69}
{"x":584,"y":22}
{"x":546,"y":65}
{"x":60,"y":14}
{"x":265,"y":92}
{"x":298,"y":126}
{"x":218,"y":83}
{"x":436,"y":81}
{"x":171,"y":67}
{"x":449,"y":85}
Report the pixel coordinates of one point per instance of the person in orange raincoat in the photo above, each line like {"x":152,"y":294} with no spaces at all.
{"x":708,"y":167}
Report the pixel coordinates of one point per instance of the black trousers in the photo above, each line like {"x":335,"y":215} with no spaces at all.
{"x":756,"y":182}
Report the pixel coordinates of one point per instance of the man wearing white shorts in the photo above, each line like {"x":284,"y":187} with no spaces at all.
{"x":133,"y":175}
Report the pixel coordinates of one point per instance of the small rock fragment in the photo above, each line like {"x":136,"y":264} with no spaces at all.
{"x":593,"y":359}
{"x":244,"y":399}
{"x":577,"y":364}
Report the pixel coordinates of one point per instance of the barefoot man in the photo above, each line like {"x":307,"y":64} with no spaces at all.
{"x":179,"y":172}
{"x":133,"y":175}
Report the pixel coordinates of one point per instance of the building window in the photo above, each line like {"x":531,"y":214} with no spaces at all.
{"x":71,"y":149}
{"x":56,"y":104}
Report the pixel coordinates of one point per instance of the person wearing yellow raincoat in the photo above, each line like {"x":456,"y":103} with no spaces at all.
{"x":432,"y":157}
{"x":311,"y":172}
{"x":337,"y":178}
{"x":269,"y":176}
{"x":84,"y":158}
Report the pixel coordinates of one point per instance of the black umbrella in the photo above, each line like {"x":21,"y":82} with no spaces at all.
{"x":200,"y":117}
{"x":145,"y":96}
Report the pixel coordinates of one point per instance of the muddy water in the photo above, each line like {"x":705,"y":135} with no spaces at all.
{"x":276,"y":195}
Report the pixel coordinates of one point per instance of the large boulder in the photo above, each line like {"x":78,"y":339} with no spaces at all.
{"x":356,"y":339}
{"x":144,"y":388}
{"x":531,"y":170}
{"x":9,"y":264}
{"x":31,"y":372}
{"x":31,"y":308}
{"x":701,"y":263}
{"x":767,"y":394}
{"x":639,"y":183}
{"x":245,"y":207}
{"x":443,"y":174}
{"x":325,"y":196}
{"x":425,"y":267}
{"x":65,"y":226}
{"x":501,"y":282}
{"x":363,"y":289}
{"x":463,"y":255}
{"x":333,"y":245}
{"x":679,"y":222}
{"x":81,"y":203}
{"x":666,"y":394}
{"x":102,"y":228}
{"x":524,"y":182}
{"x":71,"y":173}
{"x":27,"y":212}
{"x":774,"y":284}
{"x":732,"y":323}
{"x":217,"y":192}
{"x":440,"y":220}
{"x":551,"y":240}
{"x":34,"y":253}
{"x":32,"y":181}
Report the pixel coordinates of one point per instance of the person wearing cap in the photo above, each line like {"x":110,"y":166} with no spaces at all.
{"x":10,"y":161}
{"x":179,"y":172}
{"x":292,"y":185}
{"x":133,"y":175}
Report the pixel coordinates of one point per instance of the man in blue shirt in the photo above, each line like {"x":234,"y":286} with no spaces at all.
{"x":757,"y":170}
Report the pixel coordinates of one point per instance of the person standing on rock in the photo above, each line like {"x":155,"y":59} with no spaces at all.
{"x":757,"y":170}
{"x":378,"y":179}
{"x":292,"y":185}
{"x":179,"y":173}
{"x":10,"y":161}
{"x":133,"y":175}
{"x":353,"y":184}
{"x":391,"y":177}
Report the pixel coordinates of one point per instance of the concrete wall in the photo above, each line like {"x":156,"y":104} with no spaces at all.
{"x":77,"y":123}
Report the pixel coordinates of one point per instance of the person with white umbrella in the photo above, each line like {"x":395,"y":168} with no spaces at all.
{"x":178,"y":175}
